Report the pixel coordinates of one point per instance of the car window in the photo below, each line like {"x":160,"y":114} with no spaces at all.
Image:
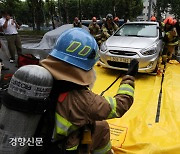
{"x":138,"y":30}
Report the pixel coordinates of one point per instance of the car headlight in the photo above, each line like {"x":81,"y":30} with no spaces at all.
{"x":103,"y":47}
{"x":149,"y":51}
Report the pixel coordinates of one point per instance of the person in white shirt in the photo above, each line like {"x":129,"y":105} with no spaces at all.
{"x":10,"y":27}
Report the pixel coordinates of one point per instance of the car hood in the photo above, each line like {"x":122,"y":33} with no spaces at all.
{"x":130,"y":42}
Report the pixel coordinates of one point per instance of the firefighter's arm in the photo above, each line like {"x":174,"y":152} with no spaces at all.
{"x":102,"y":108}
{"x":113,"y":107}
{"x":175,"y":39}
{"x":90,"y":28}
{"x":125,"y":94}
{"x":115,"y":27}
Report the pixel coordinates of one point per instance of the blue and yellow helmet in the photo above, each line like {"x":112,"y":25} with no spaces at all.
{"x":76,"y":47}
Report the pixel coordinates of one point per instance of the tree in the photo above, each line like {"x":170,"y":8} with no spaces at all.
{"x":51,"y":12}
{"x":161,"y":7}
{"x":22,"y":13}
{"x":175,"y":8}
{"x":9,"y":5}
{"x":36,"y":8}
{"x":37,"y":12}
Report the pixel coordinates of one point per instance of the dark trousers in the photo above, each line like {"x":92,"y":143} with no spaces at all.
{"x":14,"y":45}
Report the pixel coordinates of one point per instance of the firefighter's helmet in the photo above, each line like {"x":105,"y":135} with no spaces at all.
{"x":109,"y":17}
{"x":169,"y":21}
{"x":77,"y":47}
{"x":153,"y":18}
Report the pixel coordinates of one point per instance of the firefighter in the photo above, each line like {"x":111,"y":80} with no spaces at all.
{"x":71,"y":64}
{"x":108,"y":28}
{"x":170,"y":39}
{"x":168,"y":23}
{"x":95,"y":29}
{"x":77,"y":23}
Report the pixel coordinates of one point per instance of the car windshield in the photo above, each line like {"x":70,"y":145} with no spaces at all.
{"x":138,"y":30}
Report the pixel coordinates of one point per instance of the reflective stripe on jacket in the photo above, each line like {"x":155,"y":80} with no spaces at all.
{"x":126,"y":89}
{"x":73,"y":148}
{"x":113,"y":104}
{"x":63,"y":126}
{"x":103,"y":150}
{"x":123,"y":89}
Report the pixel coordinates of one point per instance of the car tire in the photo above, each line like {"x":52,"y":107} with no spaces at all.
{"x":156,"y":68}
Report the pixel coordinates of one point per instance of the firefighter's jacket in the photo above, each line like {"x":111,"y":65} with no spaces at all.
{"x":171,"y":37}
{"x":77,"y":105}
{"x":94,"y":29}
{"x":80,"y":107}
{"x":107,"y":31}
{"x":77,"y":24}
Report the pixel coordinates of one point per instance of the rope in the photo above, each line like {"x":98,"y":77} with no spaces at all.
{"x":102,"y":93}
{"x":160,"y":96}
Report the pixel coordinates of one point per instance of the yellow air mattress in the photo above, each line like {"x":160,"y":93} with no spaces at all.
{"x":139,"y":131}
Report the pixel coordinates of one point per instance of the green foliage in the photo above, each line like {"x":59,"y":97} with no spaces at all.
{"x":36,"y":9}
{"x":38,"y":12}
{"x":100,"y":8}
{"x":9,"y":5}
{"x":175,"y":8}
{"x":171,"y":6}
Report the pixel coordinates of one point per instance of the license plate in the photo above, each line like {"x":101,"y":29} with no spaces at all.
{"x":119,"y":59}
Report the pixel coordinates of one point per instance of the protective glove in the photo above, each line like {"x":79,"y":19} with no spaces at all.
{"x":133,"y":67}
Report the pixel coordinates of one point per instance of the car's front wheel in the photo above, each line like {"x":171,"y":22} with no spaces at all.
{"x":156,"y":68}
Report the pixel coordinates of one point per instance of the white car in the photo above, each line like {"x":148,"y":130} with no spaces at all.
{"x":139,"y":40}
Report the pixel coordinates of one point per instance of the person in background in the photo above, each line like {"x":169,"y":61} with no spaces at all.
{"x":103,"y":21}
{"x":77,"y":23}
{"x":170,"y":39}
{"x":10,"y":26}
{"x":108,"y":28}
{"x":95,"y":29}
{"x":1,"y":61}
